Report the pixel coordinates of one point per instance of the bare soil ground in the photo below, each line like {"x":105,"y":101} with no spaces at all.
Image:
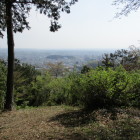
{"x":69,"y":123}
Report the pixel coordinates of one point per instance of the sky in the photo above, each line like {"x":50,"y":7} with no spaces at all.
{"x":90,"y":25}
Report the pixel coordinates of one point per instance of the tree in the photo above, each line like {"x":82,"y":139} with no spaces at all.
{"x":57,"y":69}
{"x":85,"y":69}
{"x":133,"y":58}
{"x":129,"y":5}
{"x":13,"y":18}
{"x":108,"y":60}
{"x":129,"y":59}
{"x":25,"y":75}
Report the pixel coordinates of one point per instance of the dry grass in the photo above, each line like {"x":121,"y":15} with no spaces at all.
{"x":63,"y":123}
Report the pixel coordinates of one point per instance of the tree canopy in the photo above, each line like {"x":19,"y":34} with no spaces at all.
{"x":13,"y":18}
{"x":21,"y":10}
{"x":129,"y":5}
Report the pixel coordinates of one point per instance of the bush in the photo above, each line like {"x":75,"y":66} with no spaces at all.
{"x":39,"y":91}
{"x":134,"y":93}
{"x":2,"y":83}
{"x":95,"y":88}
{"x":105,"y":88}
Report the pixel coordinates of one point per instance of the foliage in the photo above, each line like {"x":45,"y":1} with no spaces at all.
{"x":108,"y":61}
{"x":2,"y":83}
{"x":128,"y":6}
{"x":24,"y":76}
{"x":58,"y":69}
{"x":94,"y":88}
{"x":39,"y":91}
{"x":129,"y":59}
{"x":13,"y":17}
{"x":21,"y":10}
{"x":58,"y":91}
{"x":135,"y":89}
{"x":97,"y":88}
{"x":85,"y":69}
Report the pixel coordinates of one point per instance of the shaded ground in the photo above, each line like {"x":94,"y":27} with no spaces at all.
{"x":68,"y":123}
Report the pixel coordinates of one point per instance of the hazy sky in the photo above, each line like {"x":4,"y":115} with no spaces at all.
{"x":90,"y":25}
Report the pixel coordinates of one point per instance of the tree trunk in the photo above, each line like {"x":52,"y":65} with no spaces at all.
{"x":10,"y":41}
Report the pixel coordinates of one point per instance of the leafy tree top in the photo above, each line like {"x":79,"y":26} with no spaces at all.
{"x":128,"y":6}
{"x":21,"y":10}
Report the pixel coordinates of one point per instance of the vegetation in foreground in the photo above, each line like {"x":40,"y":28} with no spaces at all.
{"x":63,"y":123}
{"x":115,"y":85}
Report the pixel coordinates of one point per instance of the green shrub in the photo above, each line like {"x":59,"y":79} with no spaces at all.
{"x":134,"y":94}
{"x":105,"y":88}
{"x":39,"y":90}
{"x":2,"y":83}
{"x":94,"y":88}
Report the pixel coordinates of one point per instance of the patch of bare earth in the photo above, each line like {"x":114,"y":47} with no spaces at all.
{"x":68,"y":123}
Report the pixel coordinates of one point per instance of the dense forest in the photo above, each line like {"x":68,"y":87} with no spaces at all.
{"x":114,"y":84}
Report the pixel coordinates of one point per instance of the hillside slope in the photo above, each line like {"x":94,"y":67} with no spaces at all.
{"x":69,"y":123}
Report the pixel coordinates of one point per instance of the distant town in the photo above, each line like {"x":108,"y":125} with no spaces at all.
{"x":70,"y":58}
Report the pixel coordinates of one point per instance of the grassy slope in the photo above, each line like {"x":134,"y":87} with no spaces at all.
{"x":63,"y":123}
